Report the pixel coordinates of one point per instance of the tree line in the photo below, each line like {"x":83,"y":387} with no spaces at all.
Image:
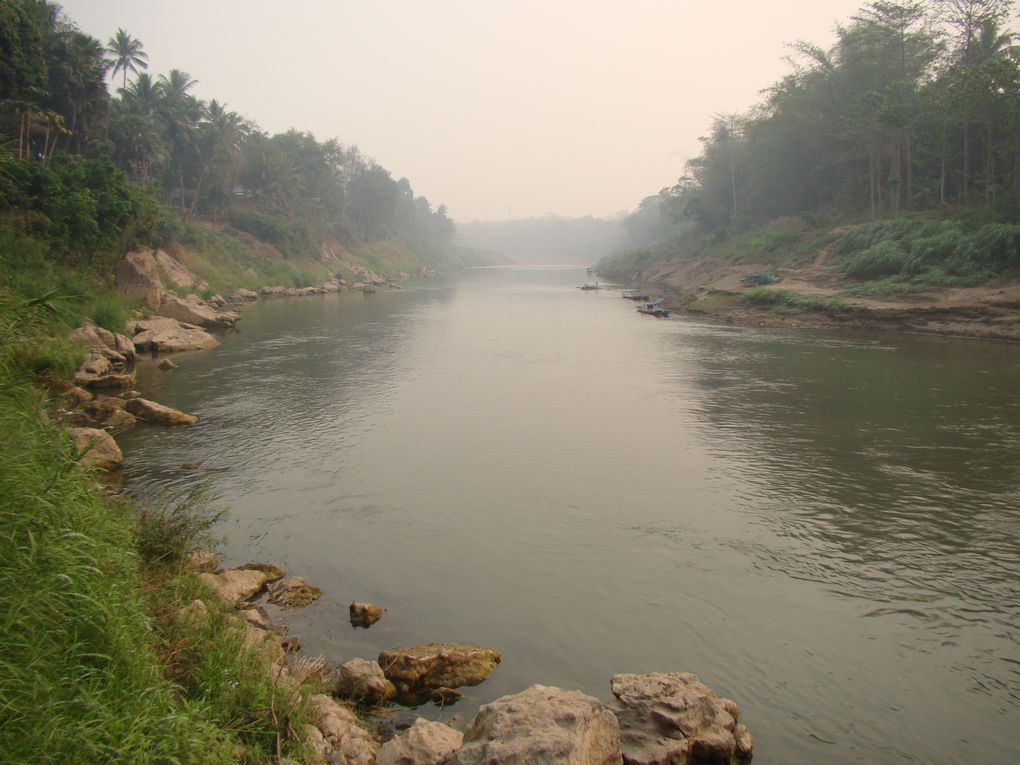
{"x":916,"y":107}
{"x":198,"y":157}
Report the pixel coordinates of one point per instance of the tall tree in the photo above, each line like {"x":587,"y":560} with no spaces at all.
{"x":127,"y":54}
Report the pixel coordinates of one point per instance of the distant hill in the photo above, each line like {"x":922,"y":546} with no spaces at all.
{"x":550,"y":240}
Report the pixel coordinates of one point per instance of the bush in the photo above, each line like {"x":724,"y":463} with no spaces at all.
{"x":886,"y":258}
{"x":173,"y":526}
{"x":780,"y":298}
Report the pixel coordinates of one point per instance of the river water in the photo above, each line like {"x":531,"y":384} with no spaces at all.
{"x":823,"y":526}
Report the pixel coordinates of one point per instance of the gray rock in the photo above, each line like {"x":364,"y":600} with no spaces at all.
{"x":293,"y":592}
{"x":138,"y":275}
{"x":162,"y":334}
{"x":202,"y":560}
{"x":342,"y":732}
{"x":194,"y":311}
{"x":418,"y":670}
{"x":176,"y":274}
{"x":674,"y":718}
{"x":363,"y":682}
{"x":542,"y":725}
{"x":241,"y":295}
{"x":150,"y":411}
{"x":424,"y":743}
{"x":235,"y":586}
{"x":365,"y":614}
{"x":103,"y":452}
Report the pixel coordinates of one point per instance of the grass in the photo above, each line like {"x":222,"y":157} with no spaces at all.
{"x":96,"y":664}
{"x":785,"y":300}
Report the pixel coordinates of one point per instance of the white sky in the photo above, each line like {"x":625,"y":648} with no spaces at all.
{"x":521,"y":107}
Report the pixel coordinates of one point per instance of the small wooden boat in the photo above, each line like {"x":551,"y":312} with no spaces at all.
{"x":642,"y":298}
{"x":589,"y":286}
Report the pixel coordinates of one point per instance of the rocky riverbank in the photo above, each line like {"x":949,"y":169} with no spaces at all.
{"x":655,"y":718}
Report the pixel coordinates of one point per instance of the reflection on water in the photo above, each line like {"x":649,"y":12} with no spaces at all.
{"x":823,"y":526}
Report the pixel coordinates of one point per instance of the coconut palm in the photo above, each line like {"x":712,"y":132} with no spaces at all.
{"x":127,"y":53}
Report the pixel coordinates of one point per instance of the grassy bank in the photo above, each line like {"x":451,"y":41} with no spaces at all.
{"x":96,"y":664}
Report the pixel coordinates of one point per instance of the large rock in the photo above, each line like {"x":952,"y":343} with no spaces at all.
{"x":138,"y":275}
{"x":542,"y":725}
{"x":150,"y":411}
{"x":161,"y":334}
{"x":424,"y":743}
{"x":241,"y":295}
{"x":674,"y":718}
{"x":176,"y":274}
{"x":116,"y":348}
{"x":365,"y":614}
{"x":103,"y":452}
{"x":363,"y":682}
{"x":234,"y":586}
{"x":341,"y":732}
{"x":293,"y":592}
{"x":192,"y":310}
{"x":418,"y":670}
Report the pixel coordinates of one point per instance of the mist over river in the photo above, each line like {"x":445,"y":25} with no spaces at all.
{"x":825,"y":527}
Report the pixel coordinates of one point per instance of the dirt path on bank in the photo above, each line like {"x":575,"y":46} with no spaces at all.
{"x":711,"y":288}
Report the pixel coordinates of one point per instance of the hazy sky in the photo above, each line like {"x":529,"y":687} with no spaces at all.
{"x":521,"y":107}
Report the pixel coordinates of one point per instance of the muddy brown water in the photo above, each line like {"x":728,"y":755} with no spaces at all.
{"x":823,"y":526}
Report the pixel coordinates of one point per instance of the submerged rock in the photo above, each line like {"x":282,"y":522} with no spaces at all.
{"x":365,"y":614}
{"x":150,"y":411}
{"x":363,"y":682}
{"x":166,"y":365}
{"x":424,"y":743}
{"x":103,"y":452}
{"x":672,"y":717}
{"x":542,"y":725}
{"x":271,"y":570}
{"x":418,"y":670}
{"x":234,"y":586}
{"x":293,"y":592}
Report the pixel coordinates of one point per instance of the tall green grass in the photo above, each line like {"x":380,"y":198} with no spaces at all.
{"x":789,"y":299}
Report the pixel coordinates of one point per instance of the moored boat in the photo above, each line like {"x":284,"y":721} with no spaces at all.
{"x":589,"y":286}
{"x":653,"y":308}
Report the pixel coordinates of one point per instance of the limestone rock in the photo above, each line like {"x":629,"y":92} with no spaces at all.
{"x":542,"y":725}
{"x":137,"y":274}
{"x":365,"y":614}
{"x":150,"y":411}
{"x":110,"y":381}
{"x":77,"y":396}
{"x":424,"y":743}
{"x":216,"y":301}
{"x":119,"y":420}
{"x":265,"y":643}
{"x":103,"y":452}
{"x":342,"y":732}
{"x":241,"y":295}
{"x":293,"y":592}
{"x":275,"y":291}
{"x":257,"y":616}
{"x":115,"y":347}
{"x":202,"y":560}
{"x":166,"y":365}
{"x":418,"y":670}
{"x":444,"y":697}
{"x":234,"y":586}
{"x":161,"y":334}
{"x":271,"y":570}
{"x":194,"y":311}
{"x":363,"y":682}
{"x":176,"y":274}
{"x":674,"y":718}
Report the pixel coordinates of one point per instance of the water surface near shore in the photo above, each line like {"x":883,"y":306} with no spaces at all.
{"x":823,"y":526}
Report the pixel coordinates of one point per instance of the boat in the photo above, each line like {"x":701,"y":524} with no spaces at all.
{"x":589,"y":286}
{"x":653,"y":308}
{"x":642,"y":298}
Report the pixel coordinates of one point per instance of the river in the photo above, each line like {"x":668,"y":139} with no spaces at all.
{"x":824,"y":526}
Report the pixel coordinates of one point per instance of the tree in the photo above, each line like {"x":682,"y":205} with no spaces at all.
{"x":127,"y":54}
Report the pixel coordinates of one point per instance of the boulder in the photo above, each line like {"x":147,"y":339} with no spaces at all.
{"x":150,"y":411}
{"x":293,"y":592}
{"x":363,"y":682}
{"x":275,"y":291}
{"x":271,"y":570}
{"x":77,"y":396}
{"x":103,"y":452}
{"x":166,"y":365}
{"x":365,"y":614}
{"x":194,"y":311}
{"x":241,"y":295}
{"x":235,"y":586}
{"x":108,"y":381}
{"x":424,"y":743}
{"x":120,"y":420}
{"x":265,"y":643}
{"x":101,"y":407}
{"x":116,"y":348}
{"x":176,"y":274}
{"x":542,"y":725}
{"x":161,"y":334}
{"x":674,"y":718}
{"x":138,"y":275}
{"x":418,"y":670}
{"x":216,"y":301}
{"x":341,"y":731}
{"x":202,"y":560}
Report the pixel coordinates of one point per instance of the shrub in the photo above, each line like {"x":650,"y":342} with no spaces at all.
{"x":175,"y":525}
{"x":885,"y":258}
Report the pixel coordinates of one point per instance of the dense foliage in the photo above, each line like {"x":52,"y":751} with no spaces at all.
{"x":916,"y":108}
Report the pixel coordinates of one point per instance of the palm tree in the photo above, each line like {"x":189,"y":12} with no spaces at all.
{"x":127,"y":54}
